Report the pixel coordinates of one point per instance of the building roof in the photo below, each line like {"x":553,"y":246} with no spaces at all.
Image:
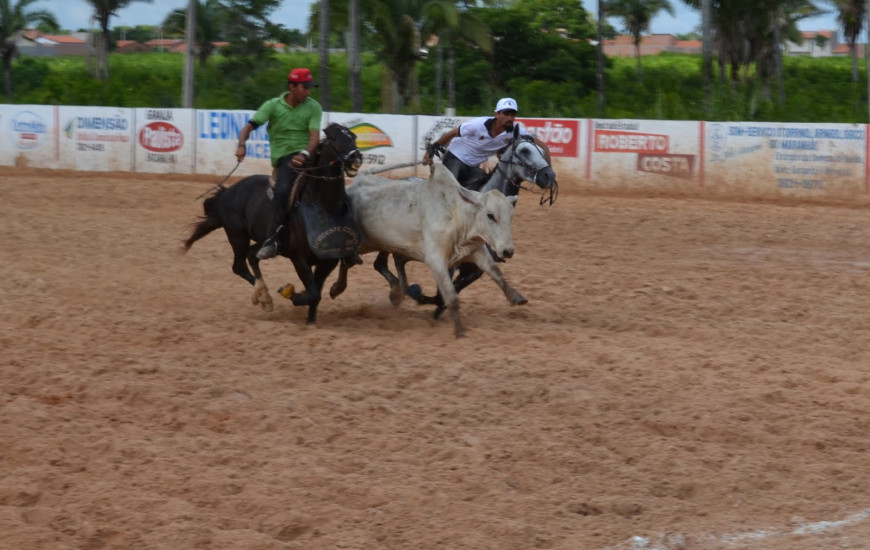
{"x":813,"y":34}
{"x":164,"y":42}
{"x":64,"y":39}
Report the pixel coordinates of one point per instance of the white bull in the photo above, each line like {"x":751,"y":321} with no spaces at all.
{"x":436,"y":221}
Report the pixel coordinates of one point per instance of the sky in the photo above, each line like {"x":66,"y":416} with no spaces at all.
{"x":75,"y":14}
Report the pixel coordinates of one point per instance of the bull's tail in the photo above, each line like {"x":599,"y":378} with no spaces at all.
{"x":208,"y":223}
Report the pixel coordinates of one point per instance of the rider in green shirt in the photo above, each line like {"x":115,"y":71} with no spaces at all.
{"x":294,"y":121}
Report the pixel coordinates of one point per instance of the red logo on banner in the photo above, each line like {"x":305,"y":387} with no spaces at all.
{"x":161,"y":137}
{"x":610,"y":141}
{"x":561,"y":136}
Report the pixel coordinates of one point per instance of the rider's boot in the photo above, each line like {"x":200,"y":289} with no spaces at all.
{"x":270,"y":246}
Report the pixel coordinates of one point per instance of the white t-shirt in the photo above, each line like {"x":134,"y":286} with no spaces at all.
{"x":474,"y":145}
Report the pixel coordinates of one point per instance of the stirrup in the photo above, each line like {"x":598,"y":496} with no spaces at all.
{"x":268,"y":250}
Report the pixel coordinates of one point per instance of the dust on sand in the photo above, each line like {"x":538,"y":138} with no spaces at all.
{"x":688,"y":374}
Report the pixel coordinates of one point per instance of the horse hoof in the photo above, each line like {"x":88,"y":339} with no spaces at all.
{"x":267,"y":306}
{"x":287,"y":291}
{"x":414,"y":291}
{"x":438,"y":311}
{"x":519,"y":300}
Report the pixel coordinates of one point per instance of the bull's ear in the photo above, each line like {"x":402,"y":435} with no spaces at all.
{"x":469,"y":196}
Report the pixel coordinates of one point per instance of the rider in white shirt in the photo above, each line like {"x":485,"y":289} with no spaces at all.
{"x":470,"y":144}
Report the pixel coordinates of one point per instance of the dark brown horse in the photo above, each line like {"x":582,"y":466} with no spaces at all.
{"x":320,"y":230}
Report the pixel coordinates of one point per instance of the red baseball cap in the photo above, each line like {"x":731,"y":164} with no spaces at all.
{"x":301,"y":76}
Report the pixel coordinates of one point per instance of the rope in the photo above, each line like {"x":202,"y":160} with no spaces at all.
{"x":221,"y":184}
{"x":388,"y":168}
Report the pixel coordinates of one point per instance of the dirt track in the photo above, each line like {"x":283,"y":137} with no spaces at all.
{"x":688,"y":374}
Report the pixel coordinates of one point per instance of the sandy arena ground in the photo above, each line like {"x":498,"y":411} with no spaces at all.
{"x":688,"y":374}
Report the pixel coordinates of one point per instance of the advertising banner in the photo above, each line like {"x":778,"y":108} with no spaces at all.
{"x":646,"y":154}
{"x":95,"y":138}
{"x":164,"y":140}
{"x":217,"y":134}
{"x":785,"y":159}
{"x":383,"y":140}
{"x":562,"y":136}
{"x":28,"y":135}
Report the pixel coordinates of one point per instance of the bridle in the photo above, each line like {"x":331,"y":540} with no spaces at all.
{"x":517,"y":183}
{"x":342,"y":159}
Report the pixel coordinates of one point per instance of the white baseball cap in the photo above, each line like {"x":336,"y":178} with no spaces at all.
{"x":506,"y":103}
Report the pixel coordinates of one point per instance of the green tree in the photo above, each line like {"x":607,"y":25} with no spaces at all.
{"x":536,"y":68}
{"x":139,"y":33}
{"x":635,"y":16}
{"x":211,"y":17}
{"x":13,"y":19}
{"x":566,"y":17}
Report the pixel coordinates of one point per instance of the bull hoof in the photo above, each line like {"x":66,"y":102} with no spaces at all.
{"x":519,"y":300}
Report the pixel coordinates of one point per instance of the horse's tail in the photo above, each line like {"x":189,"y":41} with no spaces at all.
{"x":208,"y":223}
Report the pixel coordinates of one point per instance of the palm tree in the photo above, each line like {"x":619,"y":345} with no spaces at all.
{"x":394,"y":23}
{"x":103,"y":11}
{"x":599,"y":76}
{"x":636,"y":16}
{"x":754,"y":31}
{"x":211,"y":15}
{"x":324,"y":54}
{"x":13,"y":19}
{"x":850,"y":16}
{"x":707,"y":54}
{"x":354,"y":60}
{"x":445,"y":20}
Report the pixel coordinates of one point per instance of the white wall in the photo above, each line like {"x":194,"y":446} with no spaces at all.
{"x":800,"y":160}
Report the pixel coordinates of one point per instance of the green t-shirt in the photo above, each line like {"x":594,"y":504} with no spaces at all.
{"x":289,"y":127}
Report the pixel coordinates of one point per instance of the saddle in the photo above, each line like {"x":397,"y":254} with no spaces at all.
{"x":329,"y":237}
